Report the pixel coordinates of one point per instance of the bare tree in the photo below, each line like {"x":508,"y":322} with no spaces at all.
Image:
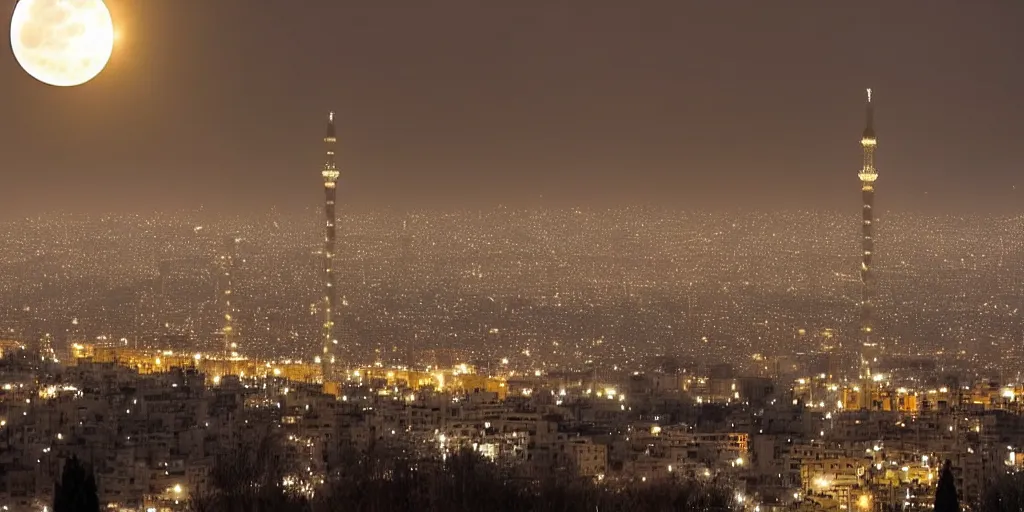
{"x":250,"y":479}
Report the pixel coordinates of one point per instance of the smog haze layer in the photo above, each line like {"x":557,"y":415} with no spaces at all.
{"x":463,"y":105}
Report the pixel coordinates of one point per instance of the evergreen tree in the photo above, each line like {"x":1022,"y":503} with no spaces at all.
{"x":76,"y":491}
{"x":946,"y":499}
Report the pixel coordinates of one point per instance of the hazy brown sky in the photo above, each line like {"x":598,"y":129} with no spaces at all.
{"x":465,"y":103}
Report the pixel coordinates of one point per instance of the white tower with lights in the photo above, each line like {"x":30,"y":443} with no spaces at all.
{"x":868,"y":175}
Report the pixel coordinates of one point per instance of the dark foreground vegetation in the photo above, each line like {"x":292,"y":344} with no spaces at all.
{"x":465,"y":482}
{"x":251,"y":481}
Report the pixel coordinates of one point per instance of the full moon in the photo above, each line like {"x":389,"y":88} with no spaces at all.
{"x":62,"y":42}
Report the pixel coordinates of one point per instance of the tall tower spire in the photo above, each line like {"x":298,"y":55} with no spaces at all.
{"x":330,"y":174}
{"x":867,"y":175}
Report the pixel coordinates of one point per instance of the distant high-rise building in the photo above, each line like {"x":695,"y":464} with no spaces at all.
{"x":45,"y":346}
{"x":867,"y":175}
{"x":330,"y":174}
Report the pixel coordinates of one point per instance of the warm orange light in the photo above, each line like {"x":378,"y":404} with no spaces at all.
{"x":864,"y":501}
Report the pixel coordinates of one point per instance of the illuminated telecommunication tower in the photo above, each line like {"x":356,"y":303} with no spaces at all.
{"x":868,"y":174}
{"x":330,"y":174}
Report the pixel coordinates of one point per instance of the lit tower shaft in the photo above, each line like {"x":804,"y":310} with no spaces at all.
{"x":330,"y":174}
{"x":868,"y":174}
{"x":227,"y":267}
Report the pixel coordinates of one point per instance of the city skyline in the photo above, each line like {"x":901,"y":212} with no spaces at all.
{"x":620,"y":349}
{"x":624,"y":111}
{"x":660,"y":281}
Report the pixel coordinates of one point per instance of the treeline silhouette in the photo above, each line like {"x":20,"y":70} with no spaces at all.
{"x":251,"y":480}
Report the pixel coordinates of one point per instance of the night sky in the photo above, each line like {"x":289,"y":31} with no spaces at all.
{"x":464,"y":104}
